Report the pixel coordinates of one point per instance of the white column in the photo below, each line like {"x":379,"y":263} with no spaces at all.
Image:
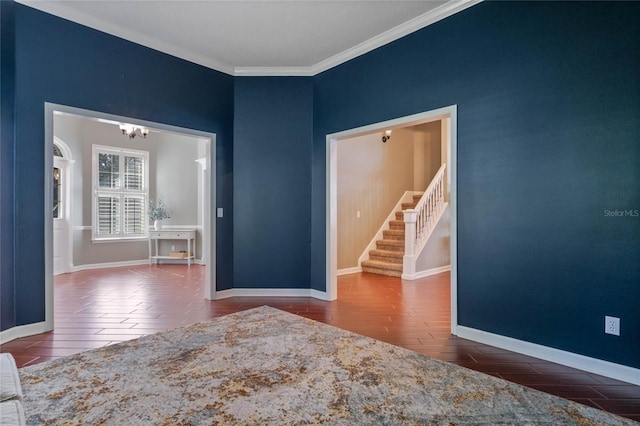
{"x":409,"y":259}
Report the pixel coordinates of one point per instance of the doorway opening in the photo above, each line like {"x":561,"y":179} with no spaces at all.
{"x":448,"y":115}
{"x":127,"y":219}
{"x":61,"y":207}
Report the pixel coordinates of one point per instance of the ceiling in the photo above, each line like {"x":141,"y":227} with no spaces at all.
{"x":264,"y":37}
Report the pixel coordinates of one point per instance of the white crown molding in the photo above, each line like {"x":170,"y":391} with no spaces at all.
{"x":273,"y":72}
{"x":415,"y":24}
{"x":411,"y":26}
{"x":73,"y":15}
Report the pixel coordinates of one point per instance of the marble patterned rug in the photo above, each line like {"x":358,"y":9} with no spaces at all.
{"x":266,"y":366}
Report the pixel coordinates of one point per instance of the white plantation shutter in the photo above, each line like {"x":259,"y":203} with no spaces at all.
{"x":134,"y":215}
{"x":108,"y":215}
{"x":121,"y":193}
{"x":133,"y":173}
{"x":108,"y":170}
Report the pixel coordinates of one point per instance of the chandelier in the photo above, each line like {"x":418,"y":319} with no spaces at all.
{"x":133,"y":131}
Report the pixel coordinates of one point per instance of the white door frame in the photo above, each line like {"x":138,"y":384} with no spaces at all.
{"x":450,"y":115}
{"x":65,"y":163}
{"x":209,"y":221}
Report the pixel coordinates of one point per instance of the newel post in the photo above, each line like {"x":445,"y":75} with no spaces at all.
{"x":409,"y":259}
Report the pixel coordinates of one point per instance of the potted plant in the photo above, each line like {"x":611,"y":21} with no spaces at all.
{"x":157,"y":213}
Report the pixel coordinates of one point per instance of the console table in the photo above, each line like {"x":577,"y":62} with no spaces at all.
{"x":173,"y":234}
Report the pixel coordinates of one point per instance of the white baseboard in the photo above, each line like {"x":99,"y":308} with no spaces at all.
{"x":110,"y":265}
{"x":428,"y":272}
{"x":322,"y":295}
{"x":128,"y":263}
{"x":569,"y":359}
{"x":270,"y":292}
{"x":346,"y":271}
{"x":23,"y":331}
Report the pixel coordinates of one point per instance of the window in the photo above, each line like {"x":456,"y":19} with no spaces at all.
{"x":120,"y":180}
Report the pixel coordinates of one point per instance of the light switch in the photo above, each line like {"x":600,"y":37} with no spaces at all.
{"x":358,"y":214}
{"x":220,"y":212}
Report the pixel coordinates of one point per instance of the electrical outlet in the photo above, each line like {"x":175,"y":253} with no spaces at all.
{"x":173,"y":248}
{"x":612,"y":325}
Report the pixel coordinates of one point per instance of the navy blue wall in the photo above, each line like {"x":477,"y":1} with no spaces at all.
{"x":7,"y":87}
{"x":273,"y":126}
{"x":61,"y":62}
{"x":548,"y":97}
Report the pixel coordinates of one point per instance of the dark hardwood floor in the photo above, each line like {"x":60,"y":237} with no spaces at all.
{"x":100,"y":307}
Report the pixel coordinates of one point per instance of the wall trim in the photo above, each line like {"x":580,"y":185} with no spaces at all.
{"x":89,"y":266}
{"x":431,"y":17}
{"x":89,"y":227}
{"x":317,"y":294}
{"x":569,"y":359}
{"x":23,"y":331}
{"x":347,"y":271}
{"x":109,"y":265}
{"x":271,"y":292}
{"x":427,"y":273}
{"x":439,"y":13}
{"x":65,"y":12}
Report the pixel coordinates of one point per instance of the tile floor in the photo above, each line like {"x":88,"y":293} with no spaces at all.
{"x":101,"y":307}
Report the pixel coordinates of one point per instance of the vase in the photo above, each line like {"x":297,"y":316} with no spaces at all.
{"x":157,"y":225}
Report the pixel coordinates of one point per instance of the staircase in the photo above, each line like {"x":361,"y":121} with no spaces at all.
{"x":386,"y":258}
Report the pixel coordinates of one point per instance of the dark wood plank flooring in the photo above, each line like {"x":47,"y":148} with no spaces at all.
{"x":100,"y":307}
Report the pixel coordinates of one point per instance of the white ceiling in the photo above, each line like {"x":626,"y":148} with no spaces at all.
{"x":264,"y":37}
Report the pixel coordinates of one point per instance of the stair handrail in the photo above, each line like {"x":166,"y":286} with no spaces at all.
{"x":421,"y":220}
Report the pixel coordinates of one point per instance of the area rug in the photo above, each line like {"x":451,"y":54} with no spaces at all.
{"x":265,"y":366}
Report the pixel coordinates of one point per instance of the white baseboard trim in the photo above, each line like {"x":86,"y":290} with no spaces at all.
{"x":23,"y":331}
{"x":347,"y":271}
{"x":569,"y":359}
{"x":270,"y":292}
{"x":428,"y":272}
{"x":110,"y":265}
{"x":128,"y":263}
{"x":322,"y":295}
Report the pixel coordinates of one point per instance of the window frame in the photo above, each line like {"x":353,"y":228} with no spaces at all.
{"x":119,"y":192}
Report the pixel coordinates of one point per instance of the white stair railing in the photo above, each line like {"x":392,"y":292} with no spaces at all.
{"x":420,"y":221}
